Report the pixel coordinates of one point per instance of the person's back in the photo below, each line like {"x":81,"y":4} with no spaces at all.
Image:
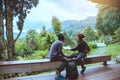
{"x":55,"y":50}
{"x":56,"y":54}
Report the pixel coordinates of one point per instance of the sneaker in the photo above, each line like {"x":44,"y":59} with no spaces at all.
{"x":59,"y":77}
{"x":83,"y":70}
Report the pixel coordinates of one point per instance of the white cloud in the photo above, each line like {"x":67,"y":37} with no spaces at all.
{"x":62,"y":9}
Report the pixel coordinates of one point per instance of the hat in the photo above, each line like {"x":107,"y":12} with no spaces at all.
{"x":80,"y":36}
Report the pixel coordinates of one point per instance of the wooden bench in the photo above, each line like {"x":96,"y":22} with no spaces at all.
{"x":8,"y":67}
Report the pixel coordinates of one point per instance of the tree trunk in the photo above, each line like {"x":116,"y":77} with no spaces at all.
{"x":1,"y":32}
{"x":9,"y":31}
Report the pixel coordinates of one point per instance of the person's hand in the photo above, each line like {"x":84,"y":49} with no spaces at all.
{"x":68,"y":59}
{"x":67,"y":48}
{"x":73,"y":59}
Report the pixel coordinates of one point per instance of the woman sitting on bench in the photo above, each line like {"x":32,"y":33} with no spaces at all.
{"x":82,"y":49}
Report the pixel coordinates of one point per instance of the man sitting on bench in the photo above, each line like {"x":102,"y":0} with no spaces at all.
{"x":56,"y":54}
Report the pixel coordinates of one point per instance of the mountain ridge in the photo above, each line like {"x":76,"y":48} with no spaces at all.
{"x":73,"y":24}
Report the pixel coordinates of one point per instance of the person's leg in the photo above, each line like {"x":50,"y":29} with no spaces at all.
{"x":82,"y":63}
{"x":61,"y":68}
{"x":82,"y":66}
{"x":74,"y":55}
{"x":80,"y":59}
{"x":64,"y":63}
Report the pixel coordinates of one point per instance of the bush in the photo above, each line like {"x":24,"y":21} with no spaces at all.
{"x":113,"y":49}
{"x":92,"y":45}
{"x":117,"y":34}
{"x":23,"y":50}
{"x":118,"y":59}
{"x":41,"y":54}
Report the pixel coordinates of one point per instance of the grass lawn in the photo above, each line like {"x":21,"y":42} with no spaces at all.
{"x":113,"y":49}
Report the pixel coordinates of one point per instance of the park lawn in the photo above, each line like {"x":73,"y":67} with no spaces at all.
{"x":113,"y":49}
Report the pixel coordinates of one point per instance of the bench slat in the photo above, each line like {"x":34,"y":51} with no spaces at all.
{"x":31,"y":67}
{"x":95,"y":59}
{"x":7,"y":67}
{"x":23,"y":62}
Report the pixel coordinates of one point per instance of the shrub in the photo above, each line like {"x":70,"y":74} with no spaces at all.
{"x":92,"y":45}
{"x":23,"y":50}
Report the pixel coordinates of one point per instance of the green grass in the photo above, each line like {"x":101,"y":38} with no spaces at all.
{"x":113,"y":49}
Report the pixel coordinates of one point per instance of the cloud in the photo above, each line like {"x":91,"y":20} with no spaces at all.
{"x":62,"y":9}
{"x":79,"y":9}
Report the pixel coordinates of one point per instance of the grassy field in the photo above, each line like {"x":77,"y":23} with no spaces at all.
{"x":113,"y":49}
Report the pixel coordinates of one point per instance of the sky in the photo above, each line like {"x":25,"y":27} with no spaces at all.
{"x":62,"y":9}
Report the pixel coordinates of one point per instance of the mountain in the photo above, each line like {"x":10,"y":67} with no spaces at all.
{"x":72,"y":25}
{"x":68,"y":26}
{"x":68,"y":23}
{"x":23,"y":34}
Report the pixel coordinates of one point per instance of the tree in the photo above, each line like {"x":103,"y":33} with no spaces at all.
{"x":11,"y":9}
{"x":56,"y":24}
{"x":117,"y":34}
{"x":68,"y":40}
{"x":108,"y":19}
{"x":1,"y":32}
{"x":90,"y":35}
{"x":9,"y":30}
{"x":114,"y":3}
{"x":31,"y":39}
{"x":43,"y":31}
{"x":45,"y":39}
{"x":49,"y":40}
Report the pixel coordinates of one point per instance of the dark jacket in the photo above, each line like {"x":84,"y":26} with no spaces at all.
{"x":81,"y":47}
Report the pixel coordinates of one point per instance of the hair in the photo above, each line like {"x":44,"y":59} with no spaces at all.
{"x":61,"y":37}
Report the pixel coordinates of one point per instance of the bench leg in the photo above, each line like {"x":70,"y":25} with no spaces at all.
{"x":105,"y":63}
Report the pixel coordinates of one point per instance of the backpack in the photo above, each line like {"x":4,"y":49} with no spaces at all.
{"x":87,"y":50}
{"x":71,"y":71}
{"x":59,"y":77}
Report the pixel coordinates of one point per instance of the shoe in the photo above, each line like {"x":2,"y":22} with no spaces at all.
{"x":83,"y":70}
{"x":59,"y":77}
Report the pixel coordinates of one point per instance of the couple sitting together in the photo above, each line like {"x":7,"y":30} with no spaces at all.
{"x":56,"y":54}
